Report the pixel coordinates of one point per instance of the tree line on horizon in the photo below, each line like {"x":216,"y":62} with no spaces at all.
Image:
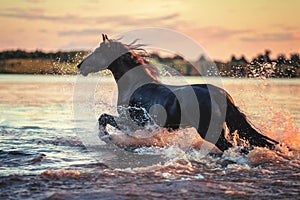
{"x":62,"y":56}
{"x":261,"y":65}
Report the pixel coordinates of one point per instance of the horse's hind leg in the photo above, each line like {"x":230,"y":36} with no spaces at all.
{"x":222,"y":143}
{"x":216,"y":138}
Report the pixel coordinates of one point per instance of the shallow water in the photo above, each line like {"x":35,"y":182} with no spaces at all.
{"x":42,"y":151}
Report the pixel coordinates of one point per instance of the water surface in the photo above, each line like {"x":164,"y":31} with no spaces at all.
{"x":42,"y":155}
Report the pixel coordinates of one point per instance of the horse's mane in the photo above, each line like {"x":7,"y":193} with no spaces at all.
{"x":140,"y":56}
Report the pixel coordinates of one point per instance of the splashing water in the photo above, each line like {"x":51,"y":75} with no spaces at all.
{"x":283,"y":128}
{"x":42,"y":157}
{"x":277,"y":122}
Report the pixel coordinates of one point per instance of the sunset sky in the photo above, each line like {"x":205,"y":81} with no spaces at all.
{"x":223,"y":28}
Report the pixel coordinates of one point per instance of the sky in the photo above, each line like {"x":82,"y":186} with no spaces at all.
{"x":223,"y":28}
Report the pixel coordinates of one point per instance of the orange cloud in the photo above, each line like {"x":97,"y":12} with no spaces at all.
{"x":276,"y":37}
{"x":296,"y":36}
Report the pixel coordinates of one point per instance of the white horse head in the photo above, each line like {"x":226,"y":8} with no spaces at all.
{"x":108,"y":51}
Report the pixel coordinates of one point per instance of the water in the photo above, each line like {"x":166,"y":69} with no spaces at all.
{"x":42,"y":156}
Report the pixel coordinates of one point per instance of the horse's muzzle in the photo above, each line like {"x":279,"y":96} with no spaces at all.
{"x":79,"y":65}
{"x":81,"y":71}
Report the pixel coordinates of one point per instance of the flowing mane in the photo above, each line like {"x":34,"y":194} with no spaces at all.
{"x":141,"y":56}
{"x":136,"y":56}
{"x":149,"y":67}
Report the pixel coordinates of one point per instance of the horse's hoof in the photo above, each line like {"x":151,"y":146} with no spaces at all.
{"x":106,"y":138}
{"x":102,"y":131}
{"x":246,"y":150}
{"x":215,"y":155}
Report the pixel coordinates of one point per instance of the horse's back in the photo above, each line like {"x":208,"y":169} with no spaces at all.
{"x":164,"y":95}
{"x":217,"y":94}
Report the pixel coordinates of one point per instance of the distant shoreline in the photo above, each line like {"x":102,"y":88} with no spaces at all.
{"x":64,"y":63}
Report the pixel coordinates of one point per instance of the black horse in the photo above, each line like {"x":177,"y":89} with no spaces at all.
{"x":143,"y":100}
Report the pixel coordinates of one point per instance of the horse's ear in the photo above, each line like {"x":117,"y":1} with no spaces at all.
{"x":103,"y":37}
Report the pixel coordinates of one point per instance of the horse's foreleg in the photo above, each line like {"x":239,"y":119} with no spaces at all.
{"x":105,"y":119}
{"x":122,"y":140}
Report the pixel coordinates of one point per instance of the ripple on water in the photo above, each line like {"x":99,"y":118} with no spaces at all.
{"x":42,"y":157}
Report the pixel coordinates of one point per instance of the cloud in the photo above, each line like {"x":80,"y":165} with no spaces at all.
{"x":43,"y":31}
{"x":77,"y":45}
{"x":212,"y":33}
{"x":284,"y":27}
{"x":31,"y":15}
{"x":220,"y":32}
{"x":118,"y":20}
{"x":125,"y":20}
{"x":272,"y":37}
{"x":33,"y":1}
{"x":84,"y":32}
{"x":75,"y":32}
{"x":116,"y":23}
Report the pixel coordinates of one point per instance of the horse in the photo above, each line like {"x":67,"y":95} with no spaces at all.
{"x":144,"y":100}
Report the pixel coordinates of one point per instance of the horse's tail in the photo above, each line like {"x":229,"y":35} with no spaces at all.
{"x":236,"y":120}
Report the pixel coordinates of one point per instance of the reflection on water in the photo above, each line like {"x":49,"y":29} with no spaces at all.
{"x":42,"y":156}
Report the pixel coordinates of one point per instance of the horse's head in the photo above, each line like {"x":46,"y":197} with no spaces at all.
{"x":108,"y":51}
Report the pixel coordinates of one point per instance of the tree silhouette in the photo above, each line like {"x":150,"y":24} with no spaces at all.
{"x":281,"y":59}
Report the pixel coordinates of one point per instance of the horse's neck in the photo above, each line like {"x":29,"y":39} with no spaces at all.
{"x":129,"y":83}
{"x":129,"y":78}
